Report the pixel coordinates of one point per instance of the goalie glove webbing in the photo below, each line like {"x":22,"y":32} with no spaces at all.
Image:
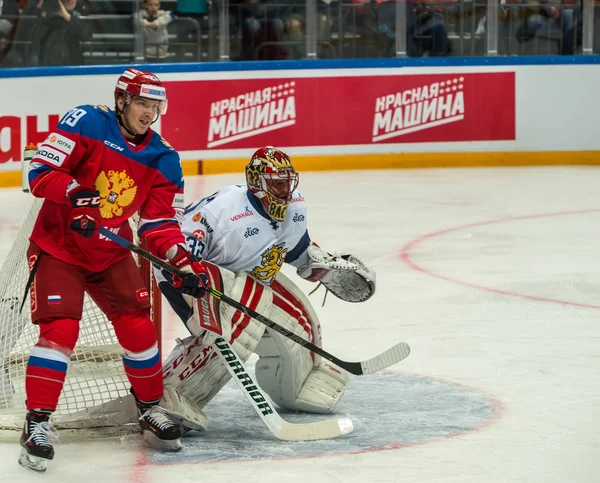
{"x":346,"y":276}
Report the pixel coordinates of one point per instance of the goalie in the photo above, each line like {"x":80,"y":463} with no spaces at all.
{"x":246,"y":233}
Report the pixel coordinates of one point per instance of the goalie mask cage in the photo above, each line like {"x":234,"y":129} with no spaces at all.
{"x":95,"y":396}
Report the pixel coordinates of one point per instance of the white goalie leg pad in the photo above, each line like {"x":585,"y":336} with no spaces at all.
{"x":193,"y":369}
{"x":291,"y":375}
{"x":323,"y":388}
{"x":183,"y":411}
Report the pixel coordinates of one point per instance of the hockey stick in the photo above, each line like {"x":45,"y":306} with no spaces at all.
{"x":394,"y":354}
{"x":280,"y":428}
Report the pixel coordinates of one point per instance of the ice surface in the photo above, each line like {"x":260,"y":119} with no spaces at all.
{"x":492,"y":277}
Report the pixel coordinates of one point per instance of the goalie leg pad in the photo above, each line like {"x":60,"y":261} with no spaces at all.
{"x":292,"y":376}
{"x":193,"y":368}
{"x":323,"y":388}
{"x":292,"y":381}
{"x":183,"y":411}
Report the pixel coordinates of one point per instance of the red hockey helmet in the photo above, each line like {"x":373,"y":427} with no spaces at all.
{"x":139,"y":83}
{"x":271,"y":178}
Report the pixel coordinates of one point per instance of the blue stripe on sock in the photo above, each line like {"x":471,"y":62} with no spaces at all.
{"x":47,"y":364}
{"x":141,"y":364}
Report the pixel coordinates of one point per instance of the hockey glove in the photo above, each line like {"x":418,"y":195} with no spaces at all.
{"x":85,"y":216}
{"x":195,"y":282}
{"x":344,"y":275}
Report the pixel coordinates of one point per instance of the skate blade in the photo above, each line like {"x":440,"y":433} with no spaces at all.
{"x":185,"y":429}
{"x":34,"y":463}
{"x":172,"y":445}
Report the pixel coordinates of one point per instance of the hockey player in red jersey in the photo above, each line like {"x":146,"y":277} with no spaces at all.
{"x":99,"y":167}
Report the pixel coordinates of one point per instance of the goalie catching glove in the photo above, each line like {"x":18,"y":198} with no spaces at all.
{"x":195,"y":282}
{"x":344,"y":275}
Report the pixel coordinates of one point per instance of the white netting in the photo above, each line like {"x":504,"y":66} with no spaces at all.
{"x":95,"y":375}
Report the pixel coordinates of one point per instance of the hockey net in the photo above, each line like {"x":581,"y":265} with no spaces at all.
{"x":96,"y":391}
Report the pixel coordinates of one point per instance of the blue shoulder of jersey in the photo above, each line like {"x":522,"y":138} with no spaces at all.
{"x":88,"y":121}
{"x":169,"y":163}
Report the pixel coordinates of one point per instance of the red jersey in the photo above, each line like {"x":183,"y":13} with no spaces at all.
{"x":87,"y":146}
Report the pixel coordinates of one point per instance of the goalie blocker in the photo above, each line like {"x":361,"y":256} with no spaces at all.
{"x":293,"y":377}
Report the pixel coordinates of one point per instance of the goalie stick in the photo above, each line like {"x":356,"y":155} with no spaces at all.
{"x":280,"y":428}
{"x":391,"y":356}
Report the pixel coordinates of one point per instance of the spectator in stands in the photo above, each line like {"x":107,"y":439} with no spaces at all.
{"x":193,"y":16}
{"x":426,"y":33}
{"x":5,"y":28}
{"x":540,"y":14}
{"x":275,"y":30}
{"x":154,"y":23}
{"x":57,"y":37}
{"x":3,"y":42}
{"x":5,"y":24}
{"x":24,"y":17}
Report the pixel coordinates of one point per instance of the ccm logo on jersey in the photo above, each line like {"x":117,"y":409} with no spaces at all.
{"x":114,"y":146}
{"x":60,"y":142}
{"x":52,"y":155}
{"x":142,"y":294}
{"x":298,"y":217}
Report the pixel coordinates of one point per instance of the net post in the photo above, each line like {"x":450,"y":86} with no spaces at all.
{"x":155,"y":296}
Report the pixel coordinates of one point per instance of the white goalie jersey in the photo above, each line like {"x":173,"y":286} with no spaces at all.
{"x":230,"y":229}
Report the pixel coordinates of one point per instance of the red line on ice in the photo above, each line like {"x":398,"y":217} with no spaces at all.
{"x":405,"y":256}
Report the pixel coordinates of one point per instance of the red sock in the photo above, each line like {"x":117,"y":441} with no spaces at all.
{"x":142,"y":361}
{"x":47,"y":366}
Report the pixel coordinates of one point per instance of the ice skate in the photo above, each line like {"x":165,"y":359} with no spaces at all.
{"x":37,"y":432}
{"x":158,"y":430}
